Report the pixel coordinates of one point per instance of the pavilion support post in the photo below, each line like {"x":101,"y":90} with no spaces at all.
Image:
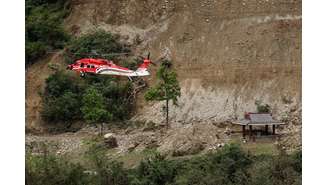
{"x":273,"y":129}
{"x":266,"y":130}
{"x":250,"y":132}
{"x":244,"y":131}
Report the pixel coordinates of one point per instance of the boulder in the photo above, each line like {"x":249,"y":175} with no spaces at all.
{"x":110,"y":140}
{"x":188,"y":148}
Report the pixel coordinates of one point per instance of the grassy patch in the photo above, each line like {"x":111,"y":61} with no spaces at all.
{"x":262,"y":146}
{"x":133,"y":159}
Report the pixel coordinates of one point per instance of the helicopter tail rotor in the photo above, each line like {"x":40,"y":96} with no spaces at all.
{"x":147,"y":59}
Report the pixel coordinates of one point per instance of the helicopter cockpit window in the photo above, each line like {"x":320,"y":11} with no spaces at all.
{"x":88,"y":66}
{"x":92,"y":66}
{"x":82,"y":65}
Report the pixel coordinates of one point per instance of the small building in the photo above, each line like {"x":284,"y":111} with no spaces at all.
{"x":258,"y":119}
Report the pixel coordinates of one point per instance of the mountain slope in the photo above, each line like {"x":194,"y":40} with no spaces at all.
{"x":227,"y":53}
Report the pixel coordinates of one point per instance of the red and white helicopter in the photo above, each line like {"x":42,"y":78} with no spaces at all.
{"x":106,"y":67}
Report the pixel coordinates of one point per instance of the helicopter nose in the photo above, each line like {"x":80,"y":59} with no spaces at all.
{"x":69,"y":67}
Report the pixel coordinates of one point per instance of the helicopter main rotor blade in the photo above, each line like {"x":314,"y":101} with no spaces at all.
{"x":141,"y":57}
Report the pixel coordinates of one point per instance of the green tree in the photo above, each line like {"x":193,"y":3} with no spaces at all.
{"x":93,"y":107}
{"x":64,"y":108}
{"x":94,"y":45}
{"x":282,"y":170}
{"x":62,"y":98}
{"x":44,"y":28}
{"x":107,"y":171}
{"x":167,"y":87}
{"x":155,"y":170}
{"x":232,"y":162}
{"x":48,"y":169}
{"x":64,"y":91}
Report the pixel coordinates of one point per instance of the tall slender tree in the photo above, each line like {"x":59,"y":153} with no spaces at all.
{"x":93,"y":108}
{"x":166,"y":89}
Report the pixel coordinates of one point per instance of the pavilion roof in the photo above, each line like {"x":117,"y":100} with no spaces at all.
{"x":258,"y":119}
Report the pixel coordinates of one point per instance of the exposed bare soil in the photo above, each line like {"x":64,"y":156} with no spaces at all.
{"x":227,"y":53}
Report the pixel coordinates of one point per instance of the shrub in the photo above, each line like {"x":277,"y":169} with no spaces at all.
{"x":105,"y":98}
{"x":34,"y":50}
{"x":94,"y":99}
{"x":107,"y":172}
{"x":297,"y":161}
{"x":47,"y":169}
{"x":232,"y":162}
{"x":282,"y":171}
{"x":93,"y":107}
{"x":44,"y":30}
{"x":155,"y":170}
{"x":199,"y":170}
{"x":226,"y":166}
{"x":262,"y":108}
{"x":64,"y":108}
{"x":118,"y":98}
{"x":99,"y":44}
{"x":260,"y":172}
{"x":229,"y":166}
{"x":62,"y":98}
{"x":275,"y":170}
{"x":61,"y":82}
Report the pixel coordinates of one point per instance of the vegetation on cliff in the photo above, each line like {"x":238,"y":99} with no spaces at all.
{"x":44,"y":27}
{"x":94,"y":99}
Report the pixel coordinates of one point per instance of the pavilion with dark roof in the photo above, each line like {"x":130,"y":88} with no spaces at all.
{"x":258,"y":119}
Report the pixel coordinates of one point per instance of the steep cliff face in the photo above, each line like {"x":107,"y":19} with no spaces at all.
{"x":227,"y":53}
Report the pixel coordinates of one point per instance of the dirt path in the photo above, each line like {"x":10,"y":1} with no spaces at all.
{"x":59,"y":143}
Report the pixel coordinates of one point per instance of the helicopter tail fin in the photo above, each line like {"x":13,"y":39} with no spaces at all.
{"x":142,"y":69}
{"x":145,"y":64}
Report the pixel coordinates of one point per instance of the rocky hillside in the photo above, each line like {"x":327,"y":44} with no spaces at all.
{"x":228,"y":53}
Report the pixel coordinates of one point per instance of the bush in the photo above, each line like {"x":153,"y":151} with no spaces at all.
{"x":48,"y":169}
{"x":226,"y":166}
{"x":155,"y":171}
{"x":61,"y":82}
{"x":62,"y":98}
{"x":229,"y":166}
{"x":232,"y":163}
{"x":118,"y":98}
{"x":105,"y":98}
{"x":44,"y":30}
{"x":262,"y":108}
{"x":93,"y":108}
{"x":276,"y":170}
{"x":64,"y":108}
{"x":94,"y":99}
{"x":282,"y":170}
{"x":107,"y":172}
{"x":34,"y":50}
{"x":297,"y":161}
{"x":199,"y":170}
{"x":99,"y":44}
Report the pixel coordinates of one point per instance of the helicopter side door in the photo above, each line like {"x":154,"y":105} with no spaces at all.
{"x":90,"y":68}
